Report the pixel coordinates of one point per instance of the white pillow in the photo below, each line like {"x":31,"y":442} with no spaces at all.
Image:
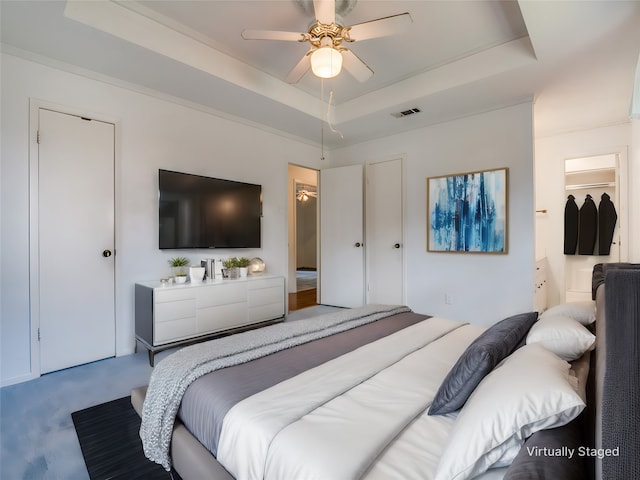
{"x":583,"y":312}
{"x":564,"y":336}
{"x":530,"y":390}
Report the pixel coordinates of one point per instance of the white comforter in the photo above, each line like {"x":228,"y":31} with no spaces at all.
{"x":360,"y":415}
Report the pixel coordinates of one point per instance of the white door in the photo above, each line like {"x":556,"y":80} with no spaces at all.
{"x":75,"y":240}
{"x":384,"y":233}
{"x":341,"y":237}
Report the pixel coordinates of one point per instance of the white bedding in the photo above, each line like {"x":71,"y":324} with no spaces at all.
{"x":365,"y":421}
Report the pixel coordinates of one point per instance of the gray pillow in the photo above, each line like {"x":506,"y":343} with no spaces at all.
{"x":486,"y":351}
{"x":529,"y":465}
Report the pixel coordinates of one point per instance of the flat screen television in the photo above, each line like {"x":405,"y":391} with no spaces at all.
{"x":205,"y":212}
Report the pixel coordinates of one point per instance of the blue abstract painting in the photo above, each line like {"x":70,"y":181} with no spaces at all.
{"x":468,"y":212}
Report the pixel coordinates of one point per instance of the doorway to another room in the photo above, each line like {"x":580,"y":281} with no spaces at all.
{"x":303,"y":237}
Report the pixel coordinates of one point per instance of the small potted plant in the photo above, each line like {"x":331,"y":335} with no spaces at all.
{"x":178,"y":265}
{"x":231,"y":269}
{"x":243,"y":264}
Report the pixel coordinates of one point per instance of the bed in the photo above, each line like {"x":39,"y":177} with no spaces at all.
{"x":383,"y":392}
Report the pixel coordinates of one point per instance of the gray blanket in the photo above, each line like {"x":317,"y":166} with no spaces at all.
{"x":173,"y":375}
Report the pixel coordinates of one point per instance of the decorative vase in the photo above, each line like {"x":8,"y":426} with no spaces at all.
{"x":243,"y":271}
{"x":256,"y":266}
{"x":196,"y":274}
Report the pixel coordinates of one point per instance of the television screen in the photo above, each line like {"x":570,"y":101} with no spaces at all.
{"x":205,"y":212}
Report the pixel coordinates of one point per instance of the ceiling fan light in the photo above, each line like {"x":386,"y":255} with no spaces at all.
{"x":326,"y":62}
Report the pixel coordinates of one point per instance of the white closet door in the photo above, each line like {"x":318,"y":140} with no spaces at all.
{"x":385,"y":245}
{"x":341,"y":237}
{"x":75,"y":240}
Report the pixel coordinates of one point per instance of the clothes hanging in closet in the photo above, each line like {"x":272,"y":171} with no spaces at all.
{"x":570,"y":226}
{"x":607,"y":218}
{"x":588,"y":227}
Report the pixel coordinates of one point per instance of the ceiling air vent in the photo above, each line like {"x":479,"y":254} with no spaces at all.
{"x":405,"y":113}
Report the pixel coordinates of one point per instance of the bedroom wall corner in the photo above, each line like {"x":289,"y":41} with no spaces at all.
{"x":155,"y":132}
{"x":481,"y":288}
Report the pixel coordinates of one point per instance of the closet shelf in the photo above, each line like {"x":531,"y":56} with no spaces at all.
{"x":591,"y":170}
{"x":590,"y":185}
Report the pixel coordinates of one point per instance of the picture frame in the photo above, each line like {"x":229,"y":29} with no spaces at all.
{"x":468,"y":212}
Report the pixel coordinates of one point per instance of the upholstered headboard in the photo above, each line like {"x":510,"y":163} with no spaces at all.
{"x":617,"y":372}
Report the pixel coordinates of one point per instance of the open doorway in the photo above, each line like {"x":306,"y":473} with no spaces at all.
{"x":303,"y":237}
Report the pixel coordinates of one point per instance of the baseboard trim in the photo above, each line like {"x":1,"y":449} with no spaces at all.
{"x":19,"y":379}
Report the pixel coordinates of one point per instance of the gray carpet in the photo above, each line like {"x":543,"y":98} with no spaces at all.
{"x":38,"y":439}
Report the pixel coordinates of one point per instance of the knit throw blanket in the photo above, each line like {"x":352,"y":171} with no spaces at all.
{"x":174,"y":374}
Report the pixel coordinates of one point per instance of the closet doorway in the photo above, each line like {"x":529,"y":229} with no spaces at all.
{"x":303,"y":237}
{"x":595,"y":218}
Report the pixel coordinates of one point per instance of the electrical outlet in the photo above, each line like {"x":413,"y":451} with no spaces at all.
{"x":448,"y":299}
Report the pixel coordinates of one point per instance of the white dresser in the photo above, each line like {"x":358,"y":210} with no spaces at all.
{"x":167,"y":315}
{"x":540,"y":293}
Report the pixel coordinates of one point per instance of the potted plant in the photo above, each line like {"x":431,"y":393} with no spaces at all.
{"x":178,"y":265}
{"x":231,"y":269}
{"x":243,"y":265}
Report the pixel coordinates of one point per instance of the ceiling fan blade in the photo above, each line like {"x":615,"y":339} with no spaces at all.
{"x":325,"y":11}
{"x":356,"y":67}
{"x":272,"y":35}
{"x":300,"y":69}
{"x":381,"y":27}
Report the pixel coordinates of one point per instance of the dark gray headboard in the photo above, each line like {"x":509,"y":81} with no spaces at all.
{"x":617,"y":372}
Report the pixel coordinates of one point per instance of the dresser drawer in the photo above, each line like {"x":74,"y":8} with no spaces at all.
{"x":265,"y":296}
{"x":266,"y":312}
{"x":222,"y":295}
{"x":173,"y":330}
{"x":266,"y":283}
{"x":174,"y":294}
{"x":221,"y":317}
{"x":175,"y":310}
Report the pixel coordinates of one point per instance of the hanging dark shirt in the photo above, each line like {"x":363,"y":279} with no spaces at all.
{"x":588,"y":227}
{"x":607,"y":218}
{"x":570,"y":226}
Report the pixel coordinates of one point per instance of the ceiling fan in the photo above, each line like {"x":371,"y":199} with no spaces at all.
{"x":303,"y":194}
{"x":328,"y":54}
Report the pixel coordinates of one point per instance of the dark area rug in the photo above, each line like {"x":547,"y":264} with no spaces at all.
{"x":110,"y":443}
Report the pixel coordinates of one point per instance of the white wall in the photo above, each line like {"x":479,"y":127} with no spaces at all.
{"x":152,"y":133}
{"x":550,"y":193}
{"x":634,"y":193}
{"x":485,"y":287}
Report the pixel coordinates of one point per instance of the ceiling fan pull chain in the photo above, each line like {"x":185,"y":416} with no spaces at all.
{"x":329,"y":116}
{"x":322,"y":119}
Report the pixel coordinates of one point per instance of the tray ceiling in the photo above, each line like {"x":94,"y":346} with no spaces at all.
{"x":458,"y":58}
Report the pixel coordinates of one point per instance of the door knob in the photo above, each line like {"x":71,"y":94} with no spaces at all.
{"x":396,"y":245}
{"x":106,"y":253}
{"x":357,"y":244}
